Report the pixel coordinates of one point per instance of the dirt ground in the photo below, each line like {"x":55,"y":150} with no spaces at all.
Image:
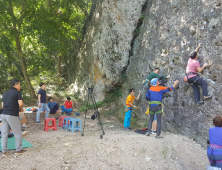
{"x":119,"y":149}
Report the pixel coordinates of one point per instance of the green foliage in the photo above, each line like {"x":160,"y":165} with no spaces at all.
{"x":113,"y":96}
{"x":138,"y":31}
{"x":111,"y":112}
{"x":109,"y":98}
{"x":165,"y":151}
{"x":142,"y":16}
{"x":47,"y":30}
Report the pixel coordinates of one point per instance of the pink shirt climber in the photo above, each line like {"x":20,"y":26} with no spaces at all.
{"x":192,"y":66}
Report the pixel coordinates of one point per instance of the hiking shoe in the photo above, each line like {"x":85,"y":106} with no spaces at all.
{"x":20,"y":152}
{"x":207,"y":97}
{"x":126,"y":129}
{"x":147,"y":133}
{"x":24,"y":133}
{"x":159,"y":136}
{"x":153,"y":131}
{"x":5,"y":153}
{"x":130,"y":128}
{"x":38,"y":122}
{"x":200,"y":102}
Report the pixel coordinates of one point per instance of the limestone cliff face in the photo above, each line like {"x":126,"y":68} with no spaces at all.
{"x":130,"y":38}
{"x":104,"y":54}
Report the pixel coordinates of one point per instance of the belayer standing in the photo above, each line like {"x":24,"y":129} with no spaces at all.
{"x":193,"y":66}
{"x":129,"y":105}
{"x":154,"y":95}
{"x":154,"y":74}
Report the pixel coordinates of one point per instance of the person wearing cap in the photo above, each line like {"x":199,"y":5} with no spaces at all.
{"x":193,"y":66}
{"x":154,"y":95}
{"x":128,"y":108}
{"x":68,"y":106}
{"x":154,"y":74}
{"x":42,"y":102}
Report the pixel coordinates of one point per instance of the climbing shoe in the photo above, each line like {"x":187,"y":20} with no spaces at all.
{"x":147,"y":133}
{"x":159,"y":136}
{"x":200,"y":102}
{"x":207,"y":97}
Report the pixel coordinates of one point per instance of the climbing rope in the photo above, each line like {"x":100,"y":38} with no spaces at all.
{"x":197,"y":23}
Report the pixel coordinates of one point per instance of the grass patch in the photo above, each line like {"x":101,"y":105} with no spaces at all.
{"x":109,"y":98}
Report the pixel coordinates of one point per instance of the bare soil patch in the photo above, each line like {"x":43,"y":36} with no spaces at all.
{"x":118,"y":149}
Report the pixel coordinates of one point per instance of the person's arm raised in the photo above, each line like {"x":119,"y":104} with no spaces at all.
{"x":137,"y":98}
{"x":197,"y":49}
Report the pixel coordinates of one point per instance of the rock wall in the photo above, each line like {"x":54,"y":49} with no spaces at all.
{"x":104,"y":54}
{"x":127,"y":39}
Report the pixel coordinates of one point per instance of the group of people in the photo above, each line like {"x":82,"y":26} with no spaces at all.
{"x":156,"y":90}
{"x":12,"y":104}
{"x":51,"y":107}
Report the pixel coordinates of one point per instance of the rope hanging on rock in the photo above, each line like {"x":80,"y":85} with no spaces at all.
{"x":197,"y":23}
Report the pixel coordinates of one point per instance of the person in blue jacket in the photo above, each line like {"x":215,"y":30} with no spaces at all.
{"x":53,"y":106}
{"x":155,"y":95}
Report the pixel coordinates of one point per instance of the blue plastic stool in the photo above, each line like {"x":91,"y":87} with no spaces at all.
{"x":75,"y":126}
{"x":66,"y":122}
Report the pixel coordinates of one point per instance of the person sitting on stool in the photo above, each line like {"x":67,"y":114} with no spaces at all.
{"x":68,"y":106}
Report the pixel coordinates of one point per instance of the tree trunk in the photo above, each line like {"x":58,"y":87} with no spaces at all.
{"x":24,"y":70}
{"x":19,"y":49}
{"x":59,"y":66}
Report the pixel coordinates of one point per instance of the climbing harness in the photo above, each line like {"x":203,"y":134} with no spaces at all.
{"x":154,"y":102}
{"x":127,"y":108}
{"x":194,"y":81}
{"x":186,"y":76}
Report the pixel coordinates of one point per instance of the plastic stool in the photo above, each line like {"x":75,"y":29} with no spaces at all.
{"x":73,"y":127}
{"x":61,"y":118}
{"x":46,"y":125}
{"x":66,"y":122}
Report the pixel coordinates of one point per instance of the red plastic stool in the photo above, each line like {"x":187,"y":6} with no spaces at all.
{"x":61,"y":118}
{"x":46,"y":125}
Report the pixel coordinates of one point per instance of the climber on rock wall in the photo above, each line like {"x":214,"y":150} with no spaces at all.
{"x":129,"y":105}
{"x":155,"y":95}
{"x":193,"y":66}
{"x":154,"y":74}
